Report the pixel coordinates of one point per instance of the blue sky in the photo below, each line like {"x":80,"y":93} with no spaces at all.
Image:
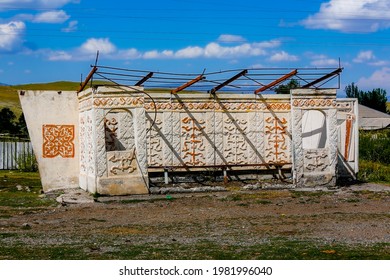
{"x":51,"y":40}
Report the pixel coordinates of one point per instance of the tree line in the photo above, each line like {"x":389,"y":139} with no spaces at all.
{"x":11,"y":125}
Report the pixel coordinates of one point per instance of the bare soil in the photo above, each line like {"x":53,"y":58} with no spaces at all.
{"x":240,"y":217}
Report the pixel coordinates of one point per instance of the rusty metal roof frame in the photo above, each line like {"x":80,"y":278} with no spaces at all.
{"x":243,"y":80}
{"x":326,"y":77}
{"x":144,"y":79}
{"x":276,"y":82}
{"x":225,"y":83}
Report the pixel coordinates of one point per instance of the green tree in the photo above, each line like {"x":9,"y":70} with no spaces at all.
{"x":375,"y":98}
{"x":7,"y":121}
{"x":352,"y":91}
{"x":22,"y":126}
{"x":285,"y":89}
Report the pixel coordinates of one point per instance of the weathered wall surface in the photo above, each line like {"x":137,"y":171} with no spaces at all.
{"x":203,"y":130}
{"x":314,"y":117}
{"x":52,"y":121}
{"x":113,"y":142}
{"x":348,"y":137}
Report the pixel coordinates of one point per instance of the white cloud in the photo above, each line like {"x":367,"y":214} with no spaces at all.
{"x":152,"y":54}
{"x":324,"y":61}
{"x":228,"y":38}
{"x":51,"y":17}
{"x":378,"y":79}
{"x":59,"y":56}
{"x":11,"y":35}
{"x":283,"y":56}
{"x":190,"y":52}
{"x":34,"y":4}
{"x":211,"y":50}
{"x":72,"y":26}
{"x":128,"y":54}
{"x":215,"y":50}
{"x":364,"y":56}
{"x":103,"y":45}
{"x":379,"y":63}
{"x":361,"y":16}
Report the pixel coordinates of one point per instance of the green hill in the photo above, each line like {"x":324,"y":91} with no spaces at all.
{"x":9,"y":94}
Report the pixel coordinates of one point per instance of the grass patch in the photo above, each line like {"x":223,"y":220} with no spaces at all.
{"x":28,"y":196}
{"x":376,"y":172}
{"x":274,"y":249}
{"x":313,"y":194}
{"x":135,"y":200}
{"x":263,"y":201}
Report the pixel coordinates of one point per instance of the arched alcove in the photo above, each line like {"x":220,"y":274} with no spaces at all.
{"x":314,"y":130}
{"x":119,"y":130}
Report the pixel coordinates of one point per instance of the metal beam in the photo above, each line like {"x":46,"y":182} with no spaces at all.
{"x":186,"y":85}
{"x":215,"y":89}
{"x":144,"y":79}
{"x":274,"y":83}
{"x":327,"y":76}
{"x":89,"y":77}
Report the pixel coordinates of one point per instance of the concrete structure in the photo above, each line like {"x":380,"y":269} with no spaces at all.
{"x":52,"y":122}
{"x":371,"y":119}
{"x":108,"y":140}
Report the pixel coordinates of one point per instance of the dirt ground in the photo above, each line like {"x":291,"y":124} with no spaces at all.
{"x":355,"y":214}
{"x":241,"y":216}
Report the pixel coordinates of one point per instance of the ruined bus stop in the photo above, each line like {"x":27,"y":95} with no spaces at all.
{"x":125,"y":126}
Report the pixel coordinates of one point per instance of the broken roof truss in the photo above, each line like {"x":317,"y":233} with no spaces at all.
{"x":255,"y":80}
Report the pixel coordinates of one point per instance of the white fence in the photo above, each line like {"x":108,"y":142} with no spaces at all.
{"x":14,"y":152}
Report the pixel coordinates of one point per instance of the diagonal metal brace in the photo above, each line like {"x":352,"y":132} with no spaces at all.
{"x":215,"y":89}
{"x":89,"y":77}
{"x":274,"y":83}
{"x":144,"y":79}
{"x":190,"y":83}
{"x":327,"y":76}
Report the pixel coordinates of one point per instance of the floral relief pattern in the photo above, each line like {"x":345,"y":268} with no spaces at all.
{"x":58,"y":140}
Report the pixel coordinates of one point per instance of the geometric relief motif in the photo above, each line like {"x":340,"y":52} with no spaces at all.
{"x":210,"y":106}
{"x":58,"y":141}
{"x":314,"y":103}
{"x":193,"y":147}
{"x":121,"y":162}
{"x":155,"y":146}
{"x":235,"y":144}
{"x":316,"y":160}
{"x":276,"y":132}
{"x":83,"y":167}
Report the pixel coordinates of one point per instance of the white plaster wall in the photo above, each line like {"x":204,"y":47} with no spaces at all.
{"x":56,"y":109}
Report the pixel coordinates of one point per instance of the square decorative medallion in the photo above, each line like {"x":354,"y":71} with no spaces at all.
{"x":58,"y":141}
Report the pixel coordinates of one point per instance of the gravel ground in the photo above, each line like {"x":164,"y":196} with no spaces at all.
{"x":243,"y":215}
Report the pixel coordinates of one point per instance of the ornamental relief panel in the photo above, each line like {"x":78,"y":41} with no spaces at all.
{"x":109,"y":102}
{"x":192,"y":141}
{"x":121,"y":162}
{"x":83,"y":150}
{"x":119,"y":130}
{"x":155,"y":142}
{"x":119,"y":142}
{"x":58,"y":140}
{"x":316,"y":160}
{"x":277,"y":140}
{"x":220,"y":106}
{"x":235,"y":146}
{"x":315,"y":103}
